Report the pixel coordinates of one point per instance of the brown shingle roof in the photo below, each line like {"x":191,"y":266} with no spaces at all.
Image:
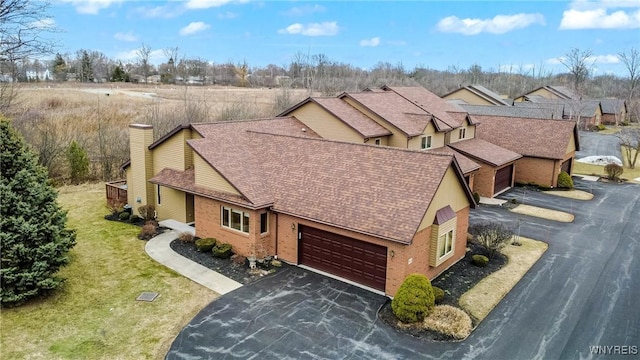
{"x":379,"y":191}
{"x":401,"y":113}
{"x":429,"y":102}
{"x":483,"y":93}
{"x":485,"y":151}
{"x":358,"y":121}
{"x":281,"y":125}
{"x":466,"y":165}
{"x":529,"y":137}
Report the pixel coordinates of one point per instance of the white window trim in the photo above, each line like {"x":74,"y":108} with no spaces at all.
{"x":441,"y":240}
{"x":426,"y":142}
{"x":229,"y":225}
{"x":438,"y":231}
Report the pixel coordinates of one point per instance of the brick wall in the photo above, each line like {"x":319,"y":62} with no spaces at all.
{"x":484,"y":180}
{"x":536,"y":170}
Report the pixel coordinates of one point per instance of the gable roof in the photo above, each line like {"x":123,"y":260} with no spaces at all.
{"x":466,"y":165}
{"x":346,"y":113}
{"x":398,"y":111}
{"x":612,"y":105}
{"x":313,"y":179}
{"x":530,"y":137}
{"x":559,"y":92}
{"x":483,"y":93}
{"x":485,"y":151}
{"x":537,"y":111}
{"x":429,"y":102}
{"x":288,"y":125}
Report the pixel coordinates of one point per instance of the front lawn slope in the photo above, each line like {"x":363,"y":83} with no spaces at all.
{"x":95,"y":315}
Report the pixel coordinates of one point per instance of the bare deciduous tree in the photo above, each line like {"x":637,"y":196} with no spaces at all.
{"x":631,"y":61}
{"x":143,"y":53}
{"x":579,"y":63}
{"x":630,"y":143}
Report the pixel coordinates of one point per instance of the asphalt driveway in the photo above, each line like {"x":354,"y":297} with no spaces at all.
{"x":596,"y":144}
{"x":583,"y":292}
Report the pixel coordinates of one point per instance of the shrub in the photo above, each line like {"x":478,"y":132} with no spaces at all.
{"x":186,"y":237}
{"x":565,"y":181}
{"x":613,"y":171}
{"x":480,"y":260}
{"x":222,"y":251}
{"x":414,"y":300}
{"x":147,"y":212}
{"x":115,"y":206}
{"x":148,"y":231}
{"x":438,"y":294}
{"x":449,"y":320}
{"x":134,"y":218}
{"x":490,"y":235}
{"x":124,"y":216}
{"x":476,"y":197}
{"x":205,"y":244}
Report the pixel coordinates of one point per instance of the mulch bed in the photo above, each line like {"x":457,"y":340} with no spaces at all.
{"x":455,"y":281}
{"x":238,"y":272}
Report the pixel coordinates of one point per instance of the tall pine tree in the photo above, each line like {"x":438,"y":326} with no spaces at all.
{"x":33,"y":234}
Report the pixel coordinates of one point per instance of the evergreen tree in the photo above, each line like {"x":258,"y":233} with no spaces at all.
{"x":33,"y":236}
{"x":78,"y":162}
{"x":60,"y":68}
{"x":86,"y":73}
{"x":119,"y":75}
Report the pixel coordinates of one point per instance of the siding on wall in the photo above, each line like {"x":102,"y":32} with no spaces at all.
{"x":449,"y":193}
{"x":141,"y":167}
{"x":468,"y":97}
{"x":544,"y":93}
{"x":437,"y":139}
{"x":173,"y":205}
{"x":325,"y":124}
{"x":208,"y":177}
{"x":170,"y":154}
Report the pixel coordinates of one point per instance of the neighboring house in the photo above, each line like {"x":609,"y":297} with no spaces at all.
{"x":523,"y":109}
{"x":368,"y":214}
{"x":586,"y":113}
{"x":614,"y":111}
{"x":547,"y":146}
{"x":33,"y":75}
{"x":477,"y":95}
{"x":406,"y":117}
{"x":154,"y":79}
{"x":549,"y":92}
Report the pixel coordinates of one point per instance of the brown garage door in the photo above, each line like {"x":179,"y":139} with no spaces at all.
{"x":566,"y":166}
{"x":503,"y":179}
{"x":343,"y":256}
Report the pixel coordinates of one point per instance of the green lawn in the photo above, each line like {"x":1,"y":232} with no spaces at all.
{"x":95,"y":315}
{"x":590,"y":169}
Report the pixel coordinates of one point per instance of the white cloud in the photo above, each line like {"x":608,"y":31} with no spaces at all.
{"x":160,"y":12}
{"x":499,"y":24}
{"x":194,"y":27}
{"x":327,"y":28}
{"x":155,"y":56}
{"x":305,"y":10}
{"x":128,"y":37}
{"x":91,"y":7}
{"x":206,"y":4}
{"x":573,"y":19}
{"x":594,"y":59}
{"x":373,"y":42}
{"x":47,"y":23}
{"x":556,"y":60}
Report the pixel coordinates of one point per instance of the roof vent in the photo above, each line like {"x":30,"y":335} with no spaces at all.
{"x":304,"y":130}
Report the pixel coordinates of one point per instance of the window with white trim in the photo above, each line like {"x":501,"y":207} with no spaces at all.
{"x":234,"y":219}
{"x":426,"y":142}
{"x":445,"y":244}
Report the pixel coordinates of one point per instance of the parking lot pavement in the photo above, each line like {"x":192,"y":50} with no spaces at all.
{"x":595,"y":144}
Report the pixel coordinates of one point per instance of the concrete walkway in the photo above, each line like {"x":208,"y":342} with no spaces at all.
{"x":491,"y":201}
{"x":160,"y":250}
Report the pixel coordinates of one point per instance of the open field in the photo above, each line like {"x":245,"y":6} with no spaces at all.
{"x":598,"y":170}
{"x":95,"y":315}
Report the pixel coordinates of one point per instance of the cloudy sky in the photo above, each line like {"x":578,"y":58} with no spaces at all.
{"x":434,"y":34}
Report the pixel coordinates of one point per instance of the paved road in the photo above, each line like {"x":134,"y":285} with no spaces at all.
{"x":583,"y":292}
{"x":595,"y":144}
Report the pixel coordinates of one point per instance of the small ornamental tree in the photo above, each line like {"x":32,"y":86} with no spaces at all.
{"x":490,"y":235}
{"x":414,"y":300}
{"x":78,"y":162}
{"x":613,"y":171}
{"x":33,"y":234}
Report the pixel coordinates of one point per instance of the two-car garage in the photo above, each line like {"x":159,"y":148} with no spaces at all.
{"x":345,"y":257}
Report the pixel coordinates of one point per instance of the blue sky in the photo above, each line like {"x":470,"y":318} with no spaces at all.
{"x":433,"y":34}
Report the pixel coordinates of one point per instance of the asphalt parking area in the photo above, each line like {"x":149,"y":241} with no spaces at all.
{"x":583,"y":292}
